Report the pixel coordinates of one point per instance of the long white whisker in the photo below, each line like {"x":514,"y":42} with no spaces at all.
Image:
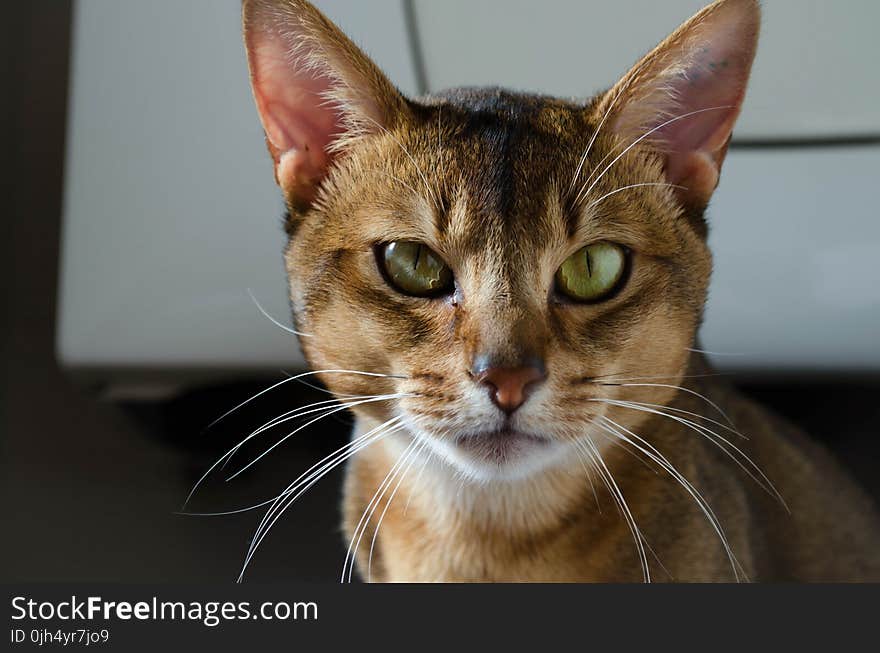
{"x":306,"y":481}
{"x":607,"y":113}
{"x":315,"y":407}
{"x":628,"y":516}
{"x":415,"y":454}
{"x":687,"y":390}
{"x":584,"y":194}
{"x":294,"y":378}
{"x":623,"y":188}
{"x":273,"y":320}
{"x":326,"y":408}
{"x":363,"y":522}
{"x":221,"y":462}
{"x":716,"y":353}
{"x":340,"y":451}
{"x":320,"y":469}
{"x":610,"y":379}
{"x":652,"y":452}
{"x":309,"y":423}
{"x":581,"y":452}
{"x":247,"y":401}
{"x":713,"y":437}
{"x":326,"y":405}
{"x":682,"y":411}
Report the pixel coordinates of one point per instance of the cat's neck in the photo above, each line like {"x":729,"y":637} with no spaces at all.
{"x":438,"y":526}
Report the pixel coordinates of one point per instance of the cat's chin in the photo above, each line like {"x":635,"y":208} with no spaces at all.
{"x":502,"y":455}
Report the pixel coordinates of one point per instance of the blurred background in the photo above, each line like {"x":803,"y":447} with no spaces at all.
{"x":141,"y":218}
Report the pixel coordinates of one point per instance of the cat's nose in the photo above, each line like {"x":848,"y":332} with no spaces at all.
{"x":509,"y":387}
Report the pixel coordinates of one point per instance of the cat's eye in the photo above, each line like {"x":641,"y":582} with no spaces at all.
{"x":415,"y":269}
{"x":592,"y":273}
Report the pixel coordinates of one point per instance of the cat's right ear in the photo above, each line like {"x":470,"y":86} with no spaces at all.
{"x":683,"y":98}
{"x":315,"y":91}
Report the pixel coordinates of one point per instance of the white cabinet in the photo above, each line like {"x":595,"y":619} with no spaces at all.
{"x":796,"y":237}
{"x":170,"y":213}
{"x":815,"y":73}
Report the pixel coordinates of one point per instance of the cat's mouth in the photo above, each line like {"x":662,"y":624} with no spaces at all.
{"x":501,"y":447}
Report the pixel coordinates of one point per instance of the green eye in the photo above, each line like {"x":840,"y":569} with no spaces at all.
{"x":592,"y":273}
{"x":415,"y":269}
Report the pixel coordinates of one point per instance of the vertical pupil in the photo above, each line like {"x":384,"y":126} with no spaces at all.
{"x":417,"y":257}
{"x":589,"y":263}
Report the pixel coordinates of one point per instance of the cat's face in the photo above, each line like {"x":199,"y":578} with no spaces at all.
{"x":506,"y":259}
{"x":504,"y":224}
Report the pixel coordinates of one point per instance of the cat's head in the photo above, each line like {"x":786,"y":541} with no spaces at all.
{"x":508,"y":260}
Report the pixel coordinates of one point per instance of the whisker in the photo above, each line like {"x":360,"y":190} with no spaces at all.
{"x":307,"y":481}
{"x":715,"y":353}
{"x":247,"y":401}
{"x":621,"y":501}
{"x":294,"y":378}
{"x":635,"y":454}
{"x":312,"y":421}
{"x":385,"y":509}
{"x":584,"y":194}
{"x":731,"y":428}
{"x":221,"y":462}
{"x":363,"y":522}
{"x":440,"y":156}
{"x":298,"y":412}
{"x":688,"y":391}
{"x":583,"y":159}
{"x":581,"y":452}
{"x":315,"y":407}
{"x":341,"y":450}
{"x":652,"y":452}
{"x":321,"y":389}
{"x":361,"y":529}
{"x":648,"y":378}
{"x":713,"y":437}
{"x":607,"y":113}
{"x":274,"y":321}
{"x":323,"y":467}
{"x":623,"y":188}
{"x":328,"y":404}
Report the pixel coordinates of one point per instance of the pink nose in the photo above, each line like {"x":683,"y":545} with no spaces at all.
{"x":509,"y":386}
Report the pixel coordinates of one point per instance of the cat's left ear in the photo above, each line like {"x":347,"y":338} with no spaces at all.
{"x":315,"y":91}
{"x":685,"y":96}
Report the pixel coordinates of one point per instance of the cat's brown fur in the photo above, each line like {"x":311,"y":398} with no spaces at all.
{"x":484,"y":178}
{"x":557,"y":531}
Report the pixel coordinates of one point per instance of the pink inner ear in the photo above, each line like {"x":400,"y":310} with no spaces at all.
{"x":691,"y":91}
{"x":299,"y":121}
{"x":711,"y":88}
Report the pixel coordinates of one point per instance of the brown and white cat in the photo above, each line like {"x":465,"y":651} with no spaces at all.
{"x":523,"y":278}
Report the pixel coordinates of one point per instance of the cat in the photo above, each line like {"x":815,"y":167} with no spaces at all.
{"x":505,"y":289}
